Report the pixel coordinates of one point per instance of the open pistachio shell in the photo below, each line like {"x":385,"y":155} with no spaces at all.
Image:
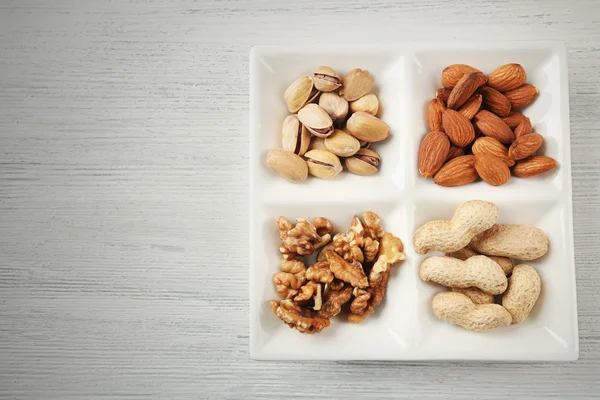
{"x":356,"y":83}
{"x":316,"y":120}
{"x":367,"y":127}
{"x":294,"y":136}
{"x":323,"y":164}
{"x":364,"y":162}
{"x":342,"y":144}
{"x":326,"y":79}
{"x":299,"y":93}
{"x":368,"y":103}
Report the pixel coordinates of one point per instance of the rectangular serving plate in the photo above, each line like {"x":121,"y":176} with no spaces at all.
{"x":403,"y":326}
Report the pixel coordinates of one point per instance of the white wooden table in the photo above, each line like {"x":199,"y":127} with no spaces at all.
{"x":123,"y":196}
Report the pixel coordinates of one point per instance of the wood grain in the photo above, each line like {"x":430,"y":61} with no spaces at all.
{"x":123,"y":196}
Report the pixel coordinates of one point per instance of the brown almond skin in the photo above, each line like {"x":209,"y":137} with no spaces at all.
{"x":513,"y":119}
{"x":457,"y":172}
{"x":532,"y":166}
{"x":492,"y":169}
{"x":442,"y":94}
{"x":465,"y":88}
{"x":455,"y":151}
{"x":458,"y":128}
{"x":507,"y":77}
{"x":471,"y":106}
{"x":524,"y":128}
{"x":434,"y":115}
{"x":495,"y":101}
{"x":452,"y":74}
{"x":433,"y":153}
{"x":525,"y":146}
{"x":493,"y":147}
{"x":491,"y":125}
{"x":521,"y":96}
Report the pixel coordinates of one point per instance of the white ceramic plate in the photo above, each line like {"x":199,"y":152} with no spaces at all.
{"x":403,"y":326}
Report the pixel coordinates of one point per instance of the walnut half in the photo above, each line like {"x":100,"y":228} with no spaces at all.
{"x":303,"y":320}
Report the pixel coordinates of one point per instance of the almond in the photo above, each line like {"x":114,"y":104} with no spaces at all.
{"x":525,"y":146}
{"x":465,"y":88}
{"x":524,"y":128}
{"x":443,"y":94}
{"x":433,"y":153}
{"x":452,"y":74}
{"x":507,"y":77}
{"x":521,"y":96}
{"x":533,"y":166}
{"x":491,"y":125}
{"x":492,"y":169}
{"x":513,"y":119}
{"x":493,"y":147}
{"x":471,"y":106}
{"x":455,"y":151}
{"x":434,"y":115}
{"x":458,"y":128}
{"x":456,"y":172}
{"x":495,"y":101}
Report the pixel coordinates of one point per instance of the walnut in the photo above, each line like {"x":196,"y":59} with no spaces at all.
{"x":305,"y":321}
{"x":318,"y":299}
{"x":348,"y":272}
{"x":372,"y":227}
{"x":360,"y":302}
{"x":287,"y":255}
{"x":335,"y":284}
{"x":323,"y":226}
{"x":286,"y":284}
{"x":334,"y":301}
{"x":370,"y":249}
{"x":301,"y":239}
{"x":348,"y":246}
{"x":295,"y":267}
{"x":321,"y":255}
{"x":306,"y":293}
{"x":377,"y":286}
{"x":390,"y":252}
{"x":358,"y":318}
{"x":320,"y":272}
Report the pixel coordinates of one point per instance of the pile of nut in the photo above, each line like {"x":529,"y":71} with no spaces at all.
{"x":351,"y":271}
{"x":472,"y":120}
{"x":478,"y":266}
{"x":319,"y":128}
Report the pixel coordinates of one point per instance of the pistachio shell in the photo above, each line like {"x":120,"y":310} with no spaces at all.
{"x":316,"y":120}
{"x":342,"y":144}
{"x":317,"y":143}
{"x":367,"y":127}
{"x":365,"y":162}
{"x":299,"y":93}
{"x":323,"y":164}
{"x":326,"y":79}
{"x":336,"y":106}
{"x":294,"y":136}
{"x":364,"y":144}
{"x":356,"y":83}
{"x":368,"y":103}
{"x":287,"y":164}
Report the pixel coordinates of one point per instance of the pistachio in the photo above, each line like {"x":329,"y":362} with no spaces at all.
{"x":368,"y":103}
{"x":367,"y":127}
{"x":299,"y":93}
{"x":364,"y":162}
{"x":323,"y":164}
{"x":364,"y":144}
{"x":325,"y":79}
{"x":356,"y":83}
{"x":287,"y":164}
{"x":342,"y":144}
{"x":336,"y":106}
{"x":316,"y":120}
{"x":294,"y":136}
{"x":317,"y":143}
